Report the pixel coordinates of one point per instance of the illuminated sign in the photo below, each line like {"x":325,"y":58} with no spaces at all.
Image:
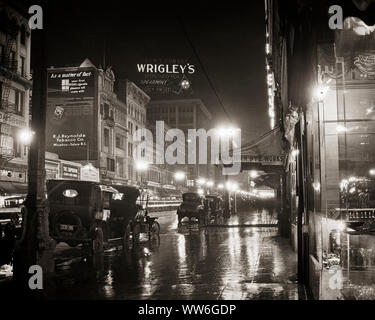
{"x":90,"y":173}
{"x":72,"y":113}
{"x":166,"y":76}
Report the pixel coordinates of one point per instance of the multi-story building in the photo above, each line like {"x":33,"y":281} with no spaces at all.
{"x":161,"y":175}
{"x":324,"y":94}
{"x":155,"y":177}
{"x":86,"y":122}
{"x":184,"y":114}
{"x":136,"y":101}
{"x":15,"y":85}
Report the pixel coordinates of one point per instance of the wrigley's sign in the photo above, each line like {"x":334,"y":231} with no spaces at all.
{"x":166,"y":77}
{"x":166,"y":68}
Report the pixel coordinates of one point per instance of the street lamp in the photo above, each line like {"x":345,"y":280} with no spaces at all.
{"x":141,"y":166}
{"x":209,"y":184}
{"x":228,"y":186}
{"x":25,"y":136}
{"x":321,"y":91}
{"x":201,"y":181}
{"x":179,"y":176}
{"x":200,"y":191}
{"x":253,"y":174}
{"x":220,"y":186}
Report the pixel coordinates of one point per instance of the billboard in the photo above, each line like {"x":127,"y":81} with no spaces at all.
{"x":71,"y":123}
{"x":166,"y":77}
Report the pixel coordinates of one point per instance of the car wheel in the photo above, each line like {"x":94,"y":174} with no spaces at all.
{"x":136,"y":231}
{"x":98,"y":241}
{"x":126,"y":240}
{"x":155,"y":229}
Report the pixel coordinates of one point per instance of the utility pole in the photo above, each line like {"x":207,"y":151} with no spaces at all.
{"x":35,"y":246}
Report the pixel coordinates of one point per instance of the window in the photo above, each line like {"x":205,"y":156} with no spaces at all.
{"x":130,"y":149}
{"x":23,"y":36}
{"x":12,"y":57}
{"x":120,"y":167}
{"x":130,"y":127}
{"x":120,"y":141}
{"x":106,"y":137}
{"x":19,"y":101}
{"x":110,"y":164}
{"x":23,"y":66}
{"x":17,"y":148}
{"x":106,"y":111}
{"x":12,"y":63}
{"x":130,"y":172}
{"x":107,"y":200}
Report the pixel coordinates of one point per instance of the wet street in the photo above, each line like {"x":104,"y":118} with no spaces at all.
{"x":189,"y":262}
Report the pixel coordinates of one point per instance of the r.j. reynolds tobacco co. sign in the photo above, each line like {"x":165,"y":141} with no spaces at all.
{"x":166,"y":68}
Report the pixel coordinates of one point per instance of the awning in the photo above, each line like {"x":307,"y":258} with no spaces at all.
{"x":9,"y":188}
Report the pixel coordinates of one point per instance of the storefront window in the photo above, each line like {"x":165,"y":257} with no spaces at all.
{"x":348,"y":173}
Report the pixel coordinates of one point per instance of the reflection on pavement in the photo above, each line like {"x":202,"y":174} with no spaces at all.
{"x":189,"y":262}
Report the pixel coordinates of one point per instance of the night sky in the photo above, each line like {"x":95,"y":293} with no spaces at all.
{"x":229,"y":39}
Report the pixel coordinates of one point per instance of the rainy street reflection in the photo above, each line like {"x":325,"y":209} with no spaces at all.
{"x":189,"y":261}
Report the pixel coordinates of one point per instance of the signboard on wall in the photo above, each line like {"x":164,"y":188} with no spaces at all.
{"x":90,"y":173}
{"x":70,"y":172}
{"x":162,"y":77}
{"x":72,"y":114}
{"x":13,"y":175}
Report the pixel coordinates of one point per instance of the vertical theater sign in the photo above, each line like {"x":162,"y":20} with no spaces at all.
{"x":72,"y":113}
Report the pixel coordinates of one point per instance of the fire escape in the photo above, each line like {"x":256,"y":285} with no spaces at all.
{"x":8,"y":69}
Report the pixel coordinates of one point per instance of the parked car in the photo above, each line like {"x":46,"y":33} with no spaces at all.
{"x":90,"y":213}
{"x":216,"y":207}
{"x":192,"y":206}
{"x":10,"y":227}
{"x":12,"y":211}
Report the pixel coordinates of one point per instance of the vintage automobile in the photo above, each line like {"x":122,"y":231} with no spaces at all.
{"x":216,"y":207}
{"x":10,"y":227}
{"x":135,"y":202}
{"x":90,"y":213}
{"x":193,"y":206}
{"x":12,"y":211}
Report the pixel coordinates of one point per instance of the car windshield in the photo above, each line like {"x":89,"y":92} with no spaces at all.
{"x":190,"y":197}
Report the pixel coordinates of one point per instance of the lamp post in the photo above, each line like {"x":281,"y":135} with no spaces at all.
{"x":225,"y":132}
{"x":209,"y":184}
{"x":179,"y":177}
{"x":25,"y":136}
{"x":141,"y":166}
{"x":35,"y":246}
